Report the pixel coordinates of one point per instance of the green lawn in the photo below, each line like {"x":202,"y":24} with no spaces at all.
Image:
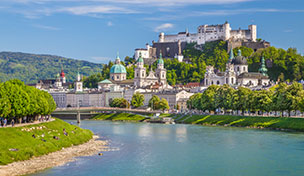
{"x":119,"y":117}
{"x":20,"y":138}
{"x":296,"y":124}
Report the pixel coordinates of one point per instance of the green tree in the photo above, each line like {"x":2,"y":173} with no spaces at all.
{"x":163,"y":104}
{"x":208,"y":98}
{"x":154,"y":102}
{"x":137,"y":100}
{"x":240,"y":99}
{"x":223,"y":97}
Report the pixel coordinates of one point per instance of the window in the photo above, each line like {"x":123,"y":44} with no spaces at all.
{"x":238,"y":68}
{"x":227,"y":80}
{"x":117,"y":77}
{"x":143,"y":74}
{"x":112,"y":77}
{"x":232,"y":81}
{"x":212,"y":82}
{"x":218,"y":82}
{"x":244,"y":68}
{"x":206,"y":81}
{"x":137,"y":75}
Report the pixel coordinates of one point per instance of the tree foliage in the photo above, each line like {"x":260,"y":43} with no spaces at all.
{"x":18,"y":100}
{"x":119,"y":103}
{"x":283,"y":98}
{"x":30,"y":68}
{"x":137,"y":100}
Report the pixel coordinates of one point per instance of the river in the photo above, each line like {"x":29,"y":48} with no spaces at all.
{"x":157,"y":149}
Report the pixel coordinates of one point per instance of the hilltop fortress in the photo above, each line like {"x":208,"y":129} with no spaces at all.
{"x":171,"y":46}
{"x":206,"y":33}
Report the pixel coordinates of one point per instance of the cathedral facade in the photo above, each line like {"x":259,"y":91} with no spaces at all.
{"x":237,"y":73}
{"x":157,"y":77}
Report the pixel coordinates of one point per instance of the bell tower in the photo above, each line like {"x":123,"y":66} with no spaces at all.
{"x":140,"y":72}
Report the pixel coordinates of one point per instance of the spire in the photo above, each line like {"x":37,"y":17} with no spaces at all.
{"x":231,"y":56}
{"x":62,"y":72}
{"x":239,"y":52}
{"x":263,"y":69}
{"x":78,"y":76}
{"x":117,"y":61}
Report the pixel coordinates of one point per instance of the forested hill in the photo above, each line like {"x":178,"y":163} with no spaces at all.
{"x":33,"y":67}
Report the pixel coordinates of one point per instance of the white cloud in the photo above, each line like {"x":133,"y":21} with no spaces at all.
{"x":46,"y":27}
{"x":84,"y":10}
{"x":163,"y":27}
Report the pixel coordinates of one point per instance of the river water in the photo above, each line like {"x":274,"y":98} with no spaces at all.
{"x":171,"y":150}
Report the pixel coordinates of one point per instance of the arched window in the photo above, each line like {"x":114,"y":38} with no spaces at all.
{"x":206,"y":81}
{"x":244,"y":68}
{"x":212,"y":82}
{"x":136,"y":74}
{"x":227,"y":80}
{"x":143,"y":74}
{"x":232,"y":81}
{"x":217,"y":82}
{"x":238,"y":68}
{"x":117,"y":77}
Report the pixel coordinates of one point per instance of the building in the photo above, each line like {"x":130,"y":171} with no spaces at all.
{"x":171,"y":46}
{"x":237,"y":73}
{"x":118,"y":72}
{"x":206,"y":33}
{"x":143,"y":80}
{"x":78,"y":87}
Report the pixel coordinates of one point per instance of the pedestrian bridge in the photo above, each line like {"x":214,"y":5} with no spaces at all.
{"x":87,"y":112}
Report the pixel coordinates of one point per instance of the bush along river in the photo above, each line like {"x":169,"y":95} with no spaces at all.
{"x":181,"y":149}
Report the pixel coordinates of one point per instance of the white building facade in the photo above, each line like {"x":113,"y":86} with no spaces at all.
{"x":206,"y":33}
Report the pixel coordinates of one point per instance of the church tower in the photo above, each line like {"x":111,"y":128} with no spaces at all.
{"x":161,"y":71}
{"x":140,"y":72}
{"x":78,"y":84}
{"x":62,"y":75}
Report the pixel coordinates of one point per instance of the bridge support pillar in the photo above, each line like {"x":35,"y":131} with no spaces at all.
{"x":78,"y":117}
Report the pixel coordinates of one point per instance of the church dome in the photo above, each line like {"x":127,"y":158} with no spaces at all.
{"x":239,"y":59}
{"x":160,"y":60}
{"x":118,"y":68}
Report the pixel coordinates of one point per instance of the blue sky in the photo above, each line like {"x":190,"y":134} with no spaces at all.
{"x":95,"y":30}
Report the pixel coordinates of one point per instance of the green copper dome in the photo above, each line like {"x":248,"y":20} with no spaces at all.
{"x":160,"y":60}
{"x":118,"y":68}
{"x":140,"y":59}
{"x":263,"y":68}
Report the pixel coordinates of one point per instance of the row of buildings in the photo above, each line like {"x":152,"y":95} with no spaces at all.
{"x":154,"y":82}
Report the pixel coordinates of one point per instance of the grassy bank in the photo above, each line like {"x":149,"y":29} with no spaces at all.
{"x":18,"y":143}
{"x":119,"y":117}
{"x":295,"y":124}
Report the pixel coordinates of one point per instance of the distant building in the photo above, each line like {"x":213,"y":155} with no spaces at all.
{"x":159,"y":76}
{"x":118,"y":72}
{"x":172,"y":46}
{"x":237,"y":73}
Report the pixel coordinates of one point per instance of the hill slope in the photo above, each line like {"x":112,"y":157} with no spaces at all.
{"x":33,"y":67}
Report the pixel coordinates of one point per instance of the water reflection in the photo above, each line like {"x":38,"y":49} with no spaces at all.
{"x":181,"y":133}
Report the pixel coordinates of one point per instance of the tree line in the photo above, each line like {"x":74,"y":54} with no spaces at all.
{"x":279,"y":99}
{"x":18,"y":100}
{"x":137,"y":101}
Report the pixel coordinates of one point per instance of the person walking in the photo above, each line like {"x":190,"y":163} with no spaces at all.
{"x":13,"y":122}
{"x":5,"y":122}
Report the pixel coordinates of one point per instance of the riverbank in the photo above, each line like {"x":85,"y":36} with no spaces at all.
{"x":53,"y":159}
{"x":260,"y":122}
{"x":23,"y":143}
{"x":273,"y":123}
{"x":126,"y":117}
